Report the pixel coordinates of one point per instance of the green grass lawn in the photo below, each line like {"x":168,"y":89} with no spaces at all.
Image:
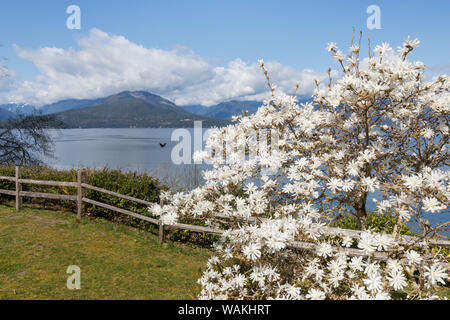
{"x":116,"y":261}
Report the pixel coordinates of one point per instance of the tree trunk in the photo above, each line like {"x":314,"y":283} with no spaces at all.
{"x":361,"y":214}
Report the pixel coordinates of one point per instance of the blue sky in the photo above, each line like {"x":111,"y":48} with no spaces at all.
{"x":291,"y":33}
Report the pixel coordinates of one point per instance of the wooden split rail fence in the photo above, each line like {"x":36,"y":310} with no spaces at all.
{"x":80,"y":198}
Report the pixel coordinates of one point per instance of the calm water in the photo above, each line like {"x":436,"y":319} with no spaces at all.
{"x":126,"y":149}
{"x":137,"y":149}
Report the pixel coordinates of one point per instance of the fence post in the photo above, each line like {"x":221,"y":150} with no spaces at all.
{"x":80,"y":194}
{"x":18,"y":188}
{"x":161,"y":227}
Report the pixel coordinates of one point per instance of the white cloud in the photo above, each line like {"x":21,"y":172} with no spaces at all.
{"x":7,"y":79}
{"x":106,"y":64}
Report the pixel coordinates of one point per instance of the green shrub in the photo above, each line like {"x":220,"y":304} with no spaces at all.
{"x":9,"y":172}
{"x":196,"y":238}
{"x":42,"y":173}
{"x":134,"y":184}
{"x":191,"y":237}
{"x":137,"y":185}
{"x":377,"y":221}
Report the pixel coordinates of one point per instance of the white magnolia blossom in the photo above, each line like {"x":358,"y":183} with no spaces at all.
{"x":282,"y":173}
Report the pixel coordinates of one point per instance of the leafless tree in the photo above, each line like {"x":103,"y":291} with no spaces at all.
{"x":24,"y":139}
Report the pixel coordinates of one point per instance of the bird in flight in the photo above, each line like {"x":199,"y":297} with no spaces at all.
{"x":162,"y":144}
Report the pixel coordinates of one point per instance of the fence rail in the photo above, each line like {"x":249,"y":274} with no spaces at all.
{"x":80,"y":198}
{"x":115,"y":194}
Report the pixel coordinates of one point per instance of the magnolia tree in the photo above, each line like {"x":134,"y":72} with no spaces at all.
{"x":279,"y":175}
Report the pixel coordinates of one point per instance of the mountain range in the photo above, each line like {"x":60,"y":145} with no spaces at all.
{"x":14,"y":108}
{"x":138,"y":109}
{"x":68,"y":104}
{"x":226,"y":110}
{"x":5,"y":114}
